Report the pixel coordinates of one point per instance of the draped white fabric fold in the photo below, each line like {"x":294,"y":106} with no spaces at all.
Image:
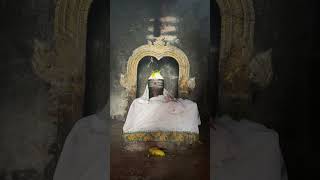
{"x":239,"y":151}
{"x":162,"y":113}
{"x":242,"y":150}
{"x":85,"y":154}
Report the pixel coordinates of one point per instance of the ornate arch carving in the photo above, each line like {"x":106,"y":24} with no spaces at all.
{"x":237,"y":25}
{"x":61,"y":62}
{"x":158,"y":50}
{"x":69,"y":42}
{"x":236,"y":50}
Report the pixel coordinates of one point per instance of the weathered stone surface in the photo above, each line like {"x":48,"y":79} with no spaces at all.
{"x":175,"y":137}
{"x":26,"y":174}
{"x":43,"y":68}
{"x":188,"y":23}
{"x":57,"y":30}
{"x":26,"y":129}
{"x":236,"y":48}
{"x":261,"y":71}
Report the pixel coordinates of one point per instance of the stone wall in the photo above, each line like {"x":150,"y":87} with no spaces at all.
{"x":131,"y":22}
{"x":37,"y":113}
{"x":286,"y":27}
{"x":28,"y":134}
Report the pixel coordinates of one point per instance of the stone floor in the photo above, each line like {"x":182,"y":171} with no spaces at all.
{"x":192,"y":163}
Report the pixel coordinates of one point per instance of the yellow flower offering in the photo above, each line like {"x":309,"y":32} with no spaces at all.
{"x":155,"y":151}
{"x":156,"y":75}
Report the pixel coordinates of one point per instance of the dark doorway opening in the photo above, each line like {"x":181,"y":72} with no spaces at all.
{"x":213,"y":62}
{"x":97,"y":58}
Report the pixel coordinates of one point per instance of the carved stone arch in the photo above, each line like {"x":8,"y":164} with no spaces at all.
{"x":237,"y":28}
{"x":62,"y":63}
{"x":236,"y":50}
{"x":129,"y":80}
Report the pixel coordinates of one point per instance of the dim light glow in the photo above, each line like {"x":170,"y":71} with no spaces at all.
{"x":170,"y":38}
{"x":169,"y":19}
{"x":167,"y":29}
{"x":164,"y":29}
{"x":150,"y":37}
{"x":150,"y":29}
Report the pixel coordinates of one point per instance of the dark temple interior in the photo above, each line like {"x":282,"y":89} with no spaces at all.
{"x":62,"y":60}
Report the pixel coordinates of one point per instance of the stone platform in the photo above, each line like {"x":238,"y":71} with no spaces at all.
{"x":171,"y":141}
{"x":130,"y":160}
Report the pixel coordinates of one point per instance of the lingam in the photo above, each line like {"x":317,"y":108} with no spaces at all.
{"x":155,"y":84}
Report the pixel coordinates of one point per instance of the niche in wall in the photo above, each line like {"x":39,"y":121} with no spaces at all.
{"x":169,"y":69}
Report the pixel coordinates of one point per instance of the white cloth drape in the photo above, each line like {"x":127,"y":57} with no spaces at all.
{"x":162,"y":113}
{"x":86,"y":152}
{"x":245,"y":151}
{"x":238,"y":151}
